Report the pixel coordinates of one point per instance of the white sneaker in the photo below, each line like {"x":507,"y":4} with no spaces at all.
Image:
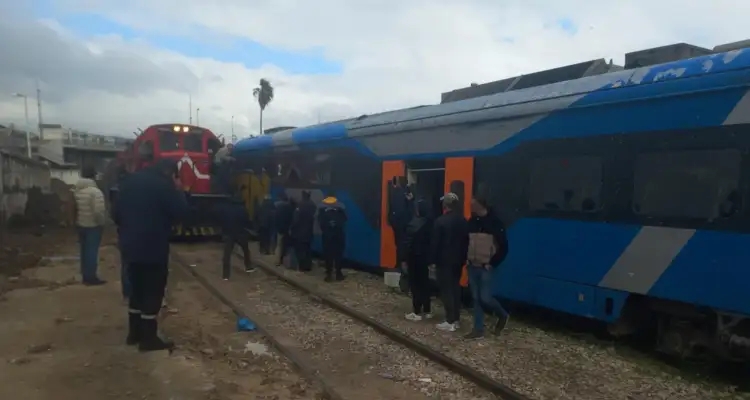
{"x":413,"y":317}
{"x":427,"y":316}
{"x":447,"y":327}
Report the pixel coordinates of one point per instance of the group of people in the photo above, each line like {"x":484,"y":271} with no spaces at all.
{"x":445,"y":245}
{"x":150,"y":201}
{"x":290,"y":225}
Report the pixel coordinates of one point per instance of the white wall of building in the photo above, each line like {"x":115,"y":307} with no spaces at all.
{"x":69,"y":176}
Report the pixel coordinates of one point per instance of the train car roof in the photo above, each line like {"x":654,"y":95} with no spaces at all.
{"x":538,"y":99}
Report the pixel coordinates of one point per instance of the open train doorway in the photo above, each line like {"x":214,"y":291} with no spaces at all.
{"x":426,"y":179}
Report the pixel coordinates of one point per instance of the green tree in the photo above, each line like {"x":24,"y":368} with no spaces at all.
{"x":264,"y":94}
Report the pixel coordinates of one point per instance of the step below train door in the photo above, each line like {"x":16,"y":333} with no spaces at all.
{"x":459,"y":179}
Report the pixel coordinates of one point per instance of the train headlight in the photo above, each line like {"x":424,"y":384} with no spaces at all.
{"x":176,"y":128}
{"x":185,"y":129}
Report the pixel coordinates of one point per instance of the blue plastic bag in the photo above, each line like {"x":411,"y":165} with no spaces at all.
{"x":245,"y":325}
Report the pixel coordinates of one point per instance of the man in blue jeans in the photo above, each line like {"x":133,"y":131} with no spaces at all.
{"x":488,"y":246}
{"x":90,"y":217}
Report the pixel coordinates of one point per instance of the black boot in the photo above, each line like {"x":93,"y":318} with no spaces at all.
{"x":339,"y":275}
{"x":329,"y":276}
{"x":134,"y":329}
{"x":150,"y":340}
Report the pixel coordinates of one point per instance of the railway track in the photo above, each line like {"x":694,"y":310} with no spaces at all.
{"x":350,"y":355}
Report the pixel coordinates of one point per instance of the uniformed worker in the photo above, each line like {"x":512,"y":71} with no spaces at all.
{"x":332,"y":220}
{"x":235,"y":222}
{"x":150,"y":203}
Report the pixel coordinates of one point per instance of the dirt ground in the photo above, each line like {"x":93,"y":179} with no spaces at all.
{"x":61,"y":340}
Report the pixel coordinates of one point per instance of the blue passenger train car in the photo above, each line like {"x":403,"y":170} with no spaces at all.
{"x":625,"y":193}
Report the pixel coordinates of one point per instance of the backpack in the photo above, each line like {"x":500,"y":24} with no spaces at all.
{"x":482,"y":247}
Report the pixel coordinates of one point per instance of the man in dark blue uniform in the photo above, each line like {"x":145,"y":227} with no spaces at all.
{"x":150,"y":202}
{"x":303,"y":223}
{"x":234,"y":220}
{"x":332,"y":220}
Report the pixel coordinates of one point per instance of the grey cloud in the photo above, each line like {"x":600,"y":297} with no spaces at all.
{"x":30,"y":50}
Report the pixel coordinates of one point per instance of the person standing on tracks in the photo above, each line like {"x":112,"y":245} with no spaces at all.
{"x":124,"y":274}
{"x":284,"y":214}
{"x":266,"y":216}
{"x":150,"y":202}
{"x":90,"y":215}
{"x":449,"y":246}
{"x":235,"y":222}
{"x":415,"y":256}
{"x":332,"y":221}
{"x":399,"y":212}
{"x":302,"y":231}
{"x":488,"y":246}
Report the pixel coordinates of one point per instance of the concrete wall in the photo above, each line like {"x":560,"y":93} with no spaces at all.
{"x":20,"y":179}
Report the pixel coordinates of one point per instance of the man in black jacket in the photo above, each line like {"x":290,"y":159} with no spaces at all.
{"x":450,"y":245}
{"x":150,"y":201}
{"x":415,"y":255}
{"x":284,"y":215}
{"x":303,"y":223}
{"x":266,"y":222}
{"x":234,"y":224}
{"x":488,"y":246}
{"x":332,"y":221}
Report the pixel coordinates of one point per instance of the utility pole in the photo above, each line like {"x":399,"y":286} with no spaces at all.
{"x":39,"y":110}
{"x":198,"y":116}
{"x":190,"y":107}
{"x":232,"y":125}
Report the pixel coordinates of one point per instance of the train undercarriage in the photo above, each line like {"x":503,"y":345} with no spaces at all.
{"x":685,"y":331}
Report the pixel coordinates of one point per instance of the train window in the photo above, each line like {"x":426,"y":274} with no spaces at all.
{"x":168,"y":141}
{"x":696,"y":184}
{"x":566,"y":184}
{"x":320,"y":171}
{"x":192,"y":143}
{"x":146,"y":149}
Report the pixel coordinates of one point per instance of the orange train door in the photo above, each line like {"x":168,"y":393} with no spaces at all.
{"x":459,"y":179}
{"x":391,"y":170}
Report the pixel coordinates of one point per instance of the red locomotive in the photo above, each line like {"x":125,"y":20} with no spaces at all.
{"x":192,"y":148}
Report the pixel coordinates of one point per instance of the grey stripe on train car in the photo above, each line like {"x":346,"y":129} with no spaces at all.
{"x":741,"y":112}
{"x":646,"y":258}
{"x":478,"y":136}
{"x":282,"y":138}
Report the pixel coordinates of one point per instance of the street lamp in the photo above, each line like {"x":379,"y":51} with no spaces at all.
{"x":26,"y":115}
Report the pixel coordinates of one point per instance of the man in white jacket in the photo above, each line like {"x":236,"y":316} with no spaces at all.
{"x":90,"y":218}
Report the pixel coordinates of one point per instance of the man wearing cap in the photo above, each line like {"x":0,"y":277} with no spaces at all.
{"x":332,"y":220}
{"x":449,"y":248}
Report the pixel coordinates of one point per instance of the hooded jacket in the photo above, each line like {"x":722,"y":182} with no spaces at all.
{"x":415,"y":248}
{"x":147,"y":207}
{"x":90,"y":208}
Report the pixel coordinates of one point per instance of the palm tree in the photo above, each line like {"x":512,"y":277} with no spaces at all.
{"x":264,"y":94}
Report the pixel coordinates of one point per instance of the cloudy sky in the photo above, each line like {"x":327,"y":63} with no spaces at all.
{"x":109,"y":66}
